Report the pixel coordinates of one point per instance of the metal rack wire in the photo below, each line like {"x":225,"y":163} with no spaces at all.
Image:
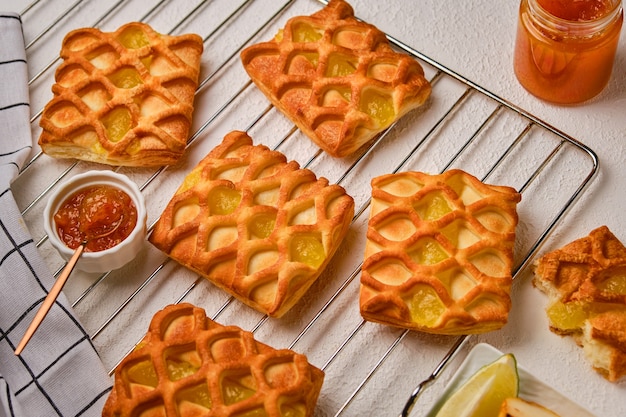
{"x":464,"y":126}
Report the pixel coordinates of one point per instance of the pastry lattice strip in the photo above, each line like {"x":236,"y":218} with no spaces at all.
{"x":439,"y":253}
{"x":336,"y":77}
{"x":123,"y":97}
{"x":255,"y":225}
{"x":188,"y":365}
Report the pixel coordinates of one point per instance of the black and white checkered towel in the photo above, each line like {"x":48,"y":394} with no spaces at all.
{"x":59,"y":372}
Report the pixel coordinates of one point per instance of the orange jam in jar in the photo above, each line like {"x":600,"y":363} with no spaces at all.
{"x":565,"y":49}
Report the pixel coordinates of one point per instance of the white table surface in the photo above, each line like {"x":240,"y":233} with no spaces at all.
{"x":475,"y":38}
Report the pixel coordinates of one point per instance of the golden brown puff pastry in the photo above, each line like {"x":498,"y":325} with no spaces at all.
{"x":586,"y":284}
{"x":439,"y":253}
{"x":519,"y":407}
{"x":123,"y":97}
{"x":337,"y":78}
{"x":255,"y":225}
{"x":188,"y":365}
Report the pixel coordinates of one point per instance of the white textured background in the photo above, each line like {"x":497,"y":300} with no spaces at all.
{"x":474,"y":38}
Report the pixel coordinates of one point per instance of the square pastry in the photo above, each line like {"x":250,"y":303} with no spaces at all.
{"x":255,"y":225}
{"x":122,"y":98}
{"x":188,"y":365}
{"x":336,"y":77}
{"x":439,"y":253}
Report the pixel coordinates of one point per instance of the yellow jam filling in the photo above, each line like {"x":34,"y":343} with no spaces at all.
{"x":378,"y":106}
{"x":234,"y":390}
{"x":126,"y":78}
{"x":147,"y":61}
{"x":339,"y":66}
{"x":143,"y":373}
{"x":198,"y":395}
{"x":308,"y":250}
{"x":257,"y":412}
{"x":180,"y":369}
{"x":312,"y":57}
{"x":190,"y":180}
{"x":262,"y":226}
{"x":97,"y":148}
{"x":117,"y":123}
{"x":571,"y":316}
{"x":223,"y":200}
{"x":437,"y":208}
{"x":426,"y":307}
{"x":292,"y":410}
{"x":429,"y":253}
{"x":303,"y":32}
{"x":614,"y":285}
{"x":133,"y":38}
{"x":567,"y":316}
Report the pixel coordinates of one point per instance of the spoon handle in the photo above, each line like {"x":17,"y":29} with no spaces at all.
{"x":50,"y":298}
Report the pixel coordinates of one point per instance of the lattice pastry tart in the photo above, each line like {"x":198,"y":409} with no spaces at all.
{"x":337,"y":78}
{"x":586,"y":283}
{"x":255,"y":225}
{"x":439,"y":253}
{"x":123,"y":97}
{"x":188,"y":365}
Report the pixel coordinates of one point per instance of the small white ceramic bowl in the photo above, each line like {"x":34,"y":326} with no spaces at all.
{"x":107,"y":259}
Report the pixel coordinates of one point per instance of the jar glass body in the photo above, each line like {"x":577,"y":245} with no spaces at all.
{"x":566,"y":60}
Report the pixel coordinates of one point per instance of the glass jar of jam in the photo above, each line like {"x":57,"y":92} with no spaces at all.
{"x":565,"y":49}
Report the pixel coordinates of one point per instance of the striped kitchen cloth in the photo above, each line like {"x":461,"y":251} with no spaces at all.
{"x":59,"y":372}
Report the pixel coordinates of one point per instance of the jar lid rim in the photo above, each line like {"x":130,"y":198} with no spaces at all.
{"x":552,"y":22}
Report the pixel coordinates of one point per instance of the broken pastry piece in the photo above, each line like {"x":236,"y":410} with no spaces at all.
{"x":585,"y":281}
{"x":189,"y":365}
{"x":518,"y":407}
{"x":255,"y":225}
{"x":122,"y":98}
{"x":337,"y":78}
{"x":439,"y":253}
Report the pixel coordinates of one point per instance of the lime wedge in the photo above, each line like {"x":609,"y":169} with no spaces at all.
{"x":483,"y":394}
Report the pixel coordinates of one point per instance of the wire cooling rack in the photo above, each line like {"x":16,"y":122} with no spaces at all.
{"x":462,"y":126}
